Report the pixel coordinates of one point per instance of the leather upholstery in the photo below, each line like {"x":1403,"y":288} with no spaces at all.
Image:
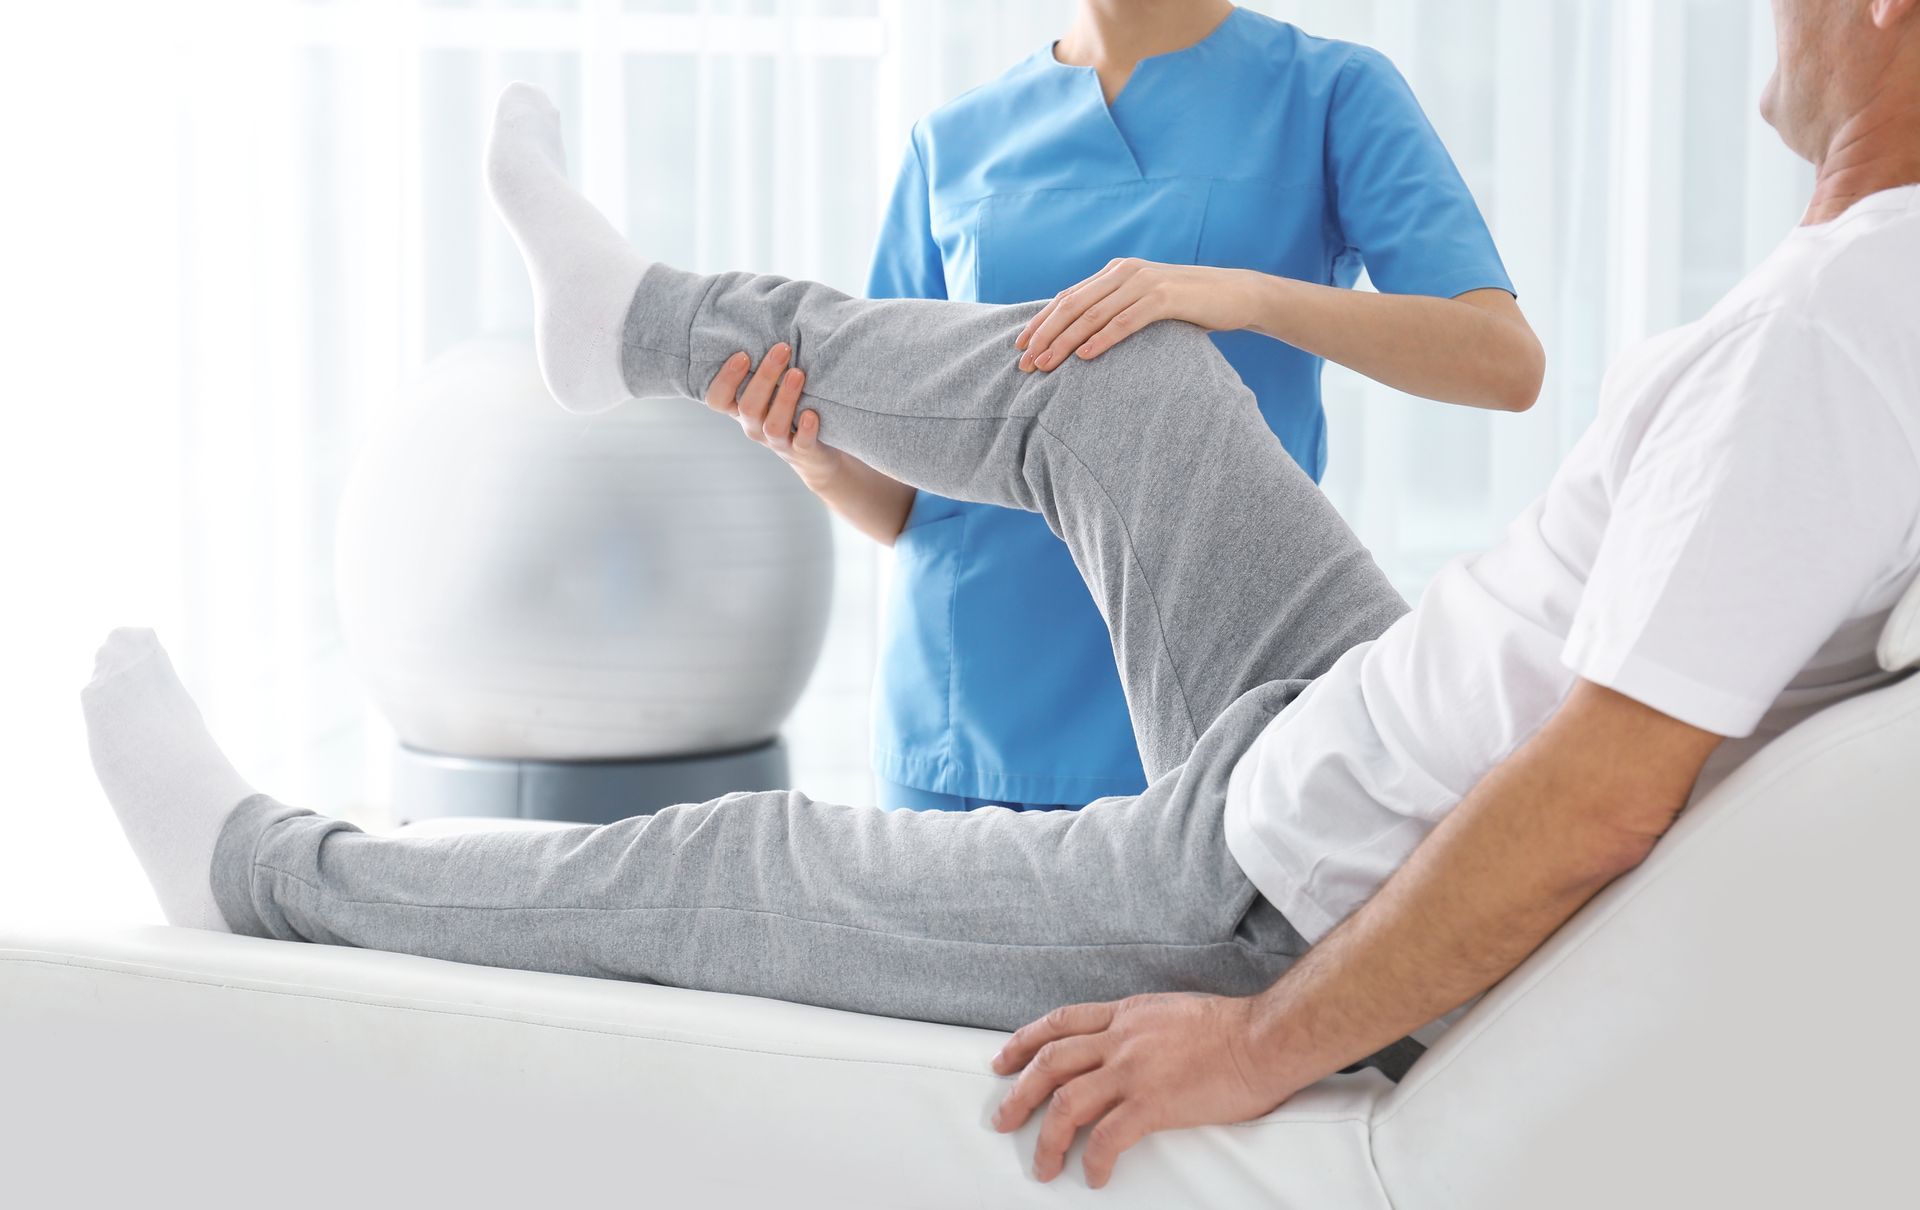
{"x":245,"y":1072}
{"x":1728,"y":1025}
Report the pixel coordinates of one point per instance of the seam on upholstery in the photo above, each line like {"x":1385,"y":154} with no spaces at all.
{"x":1373,"y":1163}
{"x":1594,"y":927}
{"x":1307,"y":1119}
{"x":604,"y":1031}
{"x":268,"y":866}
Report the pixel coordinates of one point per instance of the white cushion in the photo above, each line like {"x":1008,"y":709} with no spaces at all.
{"x":1729,"y":1025}
{"x":245,"y":1072}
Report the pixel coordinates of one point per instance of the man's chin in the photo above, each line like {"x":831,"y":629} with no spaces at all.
{"x":1770,"y":104}
{"x":1771,"y":114}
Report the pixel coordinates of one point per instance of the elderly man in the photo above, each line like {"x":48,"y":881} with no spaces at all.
{"x":1360,"y":818}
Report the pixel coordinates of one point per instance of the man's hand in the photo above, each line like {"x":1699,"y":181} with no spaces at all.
{"x":1129,"y":1068}
{"x":765,"y":410}
{"x":1126,"y":296}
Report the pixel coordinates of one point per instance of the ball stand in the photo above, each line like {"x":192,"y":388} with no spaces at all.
{"x":429,"y":785}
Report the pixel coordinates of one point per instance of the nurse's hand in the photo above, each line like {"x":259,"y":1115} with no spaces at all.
{"x":765,"y":405}
{"x":1129,"y":1068}
{"x":766,"y":402}
{"x":1092,"y":317}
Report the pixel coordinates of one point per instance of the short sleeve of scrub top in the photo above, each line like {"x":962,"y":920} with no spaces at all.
{"x":906,"y":262}
{"x":1404,"y":212}
{"x":1261,"y":148}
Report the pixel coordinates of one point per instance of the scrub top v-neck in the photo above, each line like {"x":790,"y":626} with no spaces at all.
{"x":1258,"y":147}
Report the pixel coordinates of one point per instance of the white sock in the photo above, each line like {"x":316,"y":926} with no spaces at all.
{"x":584,"y":274}
{"x":169,"y":783}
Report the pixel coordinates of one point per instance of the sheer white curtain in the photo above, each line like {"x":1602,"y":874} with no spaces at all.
{"x":239,"y":225}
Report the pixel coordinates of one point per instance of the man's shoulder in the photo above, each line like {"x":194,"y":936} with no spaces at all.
{"x":1853,"y":279}
{"x":1869,"y":280}
{"x":1849,"y":286}
{"x":1863,"y":298}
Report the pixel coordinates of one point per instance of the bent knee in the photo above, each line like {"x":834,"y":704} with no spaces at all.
{"x":1169,"y":366}
{"x":1172,"y":343}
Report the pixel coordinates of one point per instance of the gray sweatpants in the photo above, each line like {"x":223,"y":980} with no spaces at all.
{"x":1227,"y":581}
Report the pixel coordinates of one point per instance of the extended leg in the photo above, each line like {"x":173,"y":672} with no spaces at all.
{"x":1217,"y":563}
{"x":986,"y":918}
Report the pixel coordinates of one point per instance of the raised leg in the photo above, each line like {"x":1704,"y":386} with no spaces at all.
{"x":1218,"y":565}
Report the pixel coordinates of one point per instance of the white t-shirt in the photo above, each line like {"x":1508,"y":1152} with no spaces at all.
{"x":1723,"y":545}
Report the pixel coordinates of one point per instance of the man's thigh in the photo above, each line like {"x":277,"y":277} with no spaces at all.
{"x":987,"y":917}
{"x":1128,"y":896}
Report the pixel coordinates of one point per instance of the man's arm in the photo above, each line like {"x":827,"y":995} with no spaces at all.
{"x":1575,"y":807}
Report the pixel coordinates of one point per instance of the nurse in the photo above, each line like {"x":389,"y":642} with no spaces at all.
{"x":1180,"y":160}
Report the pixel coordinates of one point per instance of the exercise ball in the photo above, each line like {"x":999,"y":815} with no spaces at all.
{"x":519,"y":583}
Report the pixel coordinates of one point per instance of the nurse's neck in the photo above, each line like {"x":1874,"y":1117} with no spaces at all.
{"x":1112,"y":36}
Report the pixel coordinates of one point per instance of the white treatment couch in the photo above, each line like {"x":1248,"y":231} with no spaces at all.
{"x":1730,"y":1025}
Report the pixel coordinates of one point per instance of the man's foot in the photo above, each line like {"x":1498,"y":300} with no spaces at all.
{"x":169,"y":783}
{"x":584,"y":274}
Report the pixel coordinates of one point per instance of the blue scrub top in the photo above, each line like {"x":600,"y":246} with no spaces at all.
{"x":1259,"y":147}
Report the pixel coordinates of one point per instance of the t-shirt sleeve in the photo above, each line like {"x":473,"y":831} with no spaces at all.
{"x":1401,"y":203}
{"x":1770,"y":492}
{"x":906,"y":260}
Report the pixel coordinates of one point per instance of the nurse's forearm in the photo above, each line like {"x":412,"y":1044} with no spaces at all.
{"x":1476,"y":350}
{"x":873,"y":503}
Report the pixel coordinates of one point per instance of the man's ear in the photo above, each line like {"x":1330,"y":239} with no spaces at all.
{"x":1887,"y":14}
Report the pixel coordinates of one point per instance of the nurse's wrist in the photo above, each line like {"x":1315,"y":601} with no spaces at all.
{"x":873,"y":502}
{"x":1265,"y":301}
{"x":824,"y":477}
